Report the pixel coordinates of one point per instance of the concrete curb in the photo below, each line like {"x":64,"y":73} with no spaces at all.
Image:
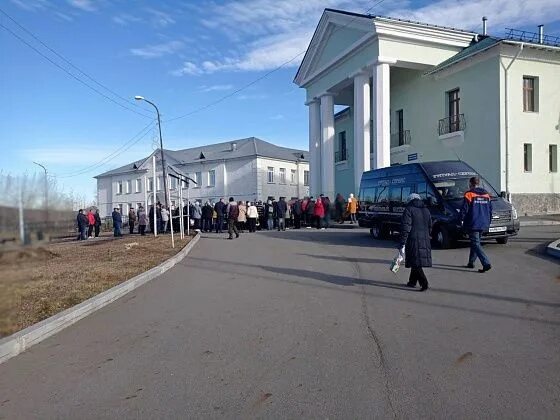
{"x":539,"y":223}
{"x":17,"y":343}
{"x":553,"y":249}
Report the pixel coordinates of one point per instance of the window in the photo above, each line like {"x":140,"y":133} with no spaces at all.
{"x":119,"y":187}
{"x":198,"y":179}
{"x":128,"y":186}
{"x":159,"y":182}
{"x":172,"y":183}
{"x":121,"y":208}
{"x":150,"y":184}
{"x":527,"y":157}
{"x":400,"y":126}
{"x":270,"y":175}
{"x":382,"y":195}
{"x":342,"y":153}
{"x":453,"y":110}
{"x":553,"y":158}
{"x":395,"y":195}
{"x":138,"y":186}
{"x":211,"y":178}
{"x":293,"y":176}
{"x":306,"y":178}
{"x":530,"y":97}
{"x":130,"y":206}
{"x":282,"y":172}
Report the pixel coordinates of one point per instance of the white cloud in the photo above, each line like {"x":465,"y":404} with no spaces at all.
{"x":157,"y":50}
{"x":188,"y":68}
{"x":277,"y":117}
{"x":215,"y":88}
{"x":84,"y":5}
{"x":31,"y":5}
{"x":160,"y":19}
{"x":252,"y":97}
{"x":273,"y":32}
{"x":125,"y":19}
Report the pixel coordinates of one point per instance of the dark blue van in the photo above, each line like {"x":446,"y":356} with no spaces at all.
{"x":383,"y":194}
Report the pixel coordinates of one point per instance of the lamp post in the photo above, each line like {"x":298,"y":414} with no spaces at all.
{"x":141,"y":98}
{"x":46,"y":194}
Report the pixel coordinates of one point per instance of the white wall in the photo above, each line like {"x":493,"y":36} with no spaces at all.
{"x":277,"y":189}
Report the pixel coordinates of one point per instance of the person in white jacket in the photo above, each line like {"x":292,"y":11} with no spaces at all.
{"x":252,"y":215}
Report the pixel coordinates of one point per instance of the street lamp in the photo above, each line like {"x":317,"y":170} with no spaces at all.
{"x":46,"y":194}
{"x":141,"y":98}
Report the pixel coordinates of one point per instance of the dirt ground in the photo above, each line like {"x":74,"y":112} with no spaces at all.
{"x":39,"y":281}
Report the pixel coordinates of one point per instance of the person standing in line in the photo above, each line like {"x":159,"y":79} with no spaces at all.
{"x":151,"y":218}
{"x":197,"y":215}
{"x":83,"y":222}
{"x":117,"y":222}
{"x":296,"y":212}
{"x":164,"y":219}
{"x":252,"y":215}
{"x":158,"y":217}
{"x":304,"y":203}
{"x":97,"y":223}
{"x":91,"y":223}
{"x":476,"y":216}
{"x":207,"y":217}
{"x":242,"y":218}
{"x":288,"y":217}
{"x":339,"y":208}
{"x":142,"y":220}
{"x":319,"y":213}
{"x":220,"y":209}
{"x":269,"y":214}
{"x":327,"y":209}
{"x":310,"y":213}
{"x":131,"y":220}
{"x":232,"y":211}
{"x":416,"y":224}
{"x":352,"y":208}
{"x":281,"y":209}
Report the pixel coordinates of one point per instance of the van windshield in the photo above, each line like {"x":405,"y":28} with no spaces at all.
{"x":455,"y":188}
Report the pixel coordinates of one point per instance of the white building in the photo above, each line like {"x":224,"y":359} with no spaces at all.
{"x":423,"y":92}
{"x":246,"y":169}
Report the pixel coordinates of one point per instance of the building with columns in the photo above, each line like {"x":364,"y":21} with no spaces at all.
{"x":247,"y":169}
{"x":384,"y":91}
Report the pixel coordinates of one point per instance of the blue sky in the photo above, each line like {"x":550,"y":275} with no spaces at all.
{"x":182,"y":55}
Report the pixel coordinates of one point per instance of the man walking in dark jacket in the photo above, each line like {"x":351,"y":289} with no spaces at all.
{"x":117,"y":222}
{"x":97,"y":223}
{"x":232,"y":212}
{"x":297,"y":212}
{"x":476,"y":215}
{"x":83,"y":223}
{"x":415,"y":238}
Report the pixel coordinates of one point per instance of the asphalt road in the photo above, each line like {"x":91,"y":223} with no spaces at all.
{"x":309,"y":324}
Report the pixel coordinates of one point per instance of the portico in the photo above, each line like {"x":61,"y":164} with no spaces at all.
{"x":349,"y":63}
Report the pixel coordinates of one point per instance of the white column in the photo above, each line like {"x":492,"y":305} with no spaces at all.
{"x":362,"y":117}
{"x":327,"y":145}
{"x":381,"y":115}
{"x":314,"y":147}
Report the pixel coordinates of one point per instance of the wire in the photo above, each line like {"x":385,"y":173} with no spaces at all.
{"x":128,"y":101}
{"x":70,"y":73}
{"x":134,"y":140}
{"x":229,"y":95}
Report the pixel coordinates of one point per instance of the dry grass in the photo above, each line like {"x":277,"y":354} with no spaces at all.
{"x":38,"y":282}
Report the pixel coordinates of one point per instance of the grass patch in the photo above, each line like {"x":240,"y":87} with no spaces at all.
{"x":38,"y":282}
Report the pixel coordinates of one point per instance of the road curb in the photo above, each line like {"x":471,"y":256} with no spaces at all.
{"x":539,"y":223}
{"x":553,"y":249}
{"x":19,"y":342}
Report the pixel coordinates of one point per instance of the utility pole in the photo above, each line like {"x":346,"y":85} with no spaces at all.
{"x":46,"y":194}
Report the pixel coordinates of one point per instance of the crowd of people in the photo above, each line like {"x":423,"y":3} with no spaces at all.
{"x":233,"y":216}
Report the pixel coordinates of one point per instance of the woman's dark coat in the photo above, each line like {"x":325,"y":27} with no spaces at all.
{"x":415,"y":235}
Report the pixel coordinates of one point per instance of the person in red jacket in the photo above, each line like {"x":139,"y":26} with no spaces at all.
{"x":319,"y":213}
{"x":91,"y":222}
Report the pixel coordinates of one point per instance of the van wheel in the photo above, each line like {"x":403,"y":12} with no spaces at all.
{"x":441,"y":238}
{"x":502,"y":241}
{"x":377,"y":232}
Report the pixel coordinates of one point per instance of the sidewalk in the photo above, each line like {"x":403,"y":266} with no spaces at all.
{"x":543,"y":220}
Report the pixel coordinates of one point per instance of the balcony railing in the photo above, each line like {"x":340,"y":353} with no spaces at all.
{"x":400,"y":138}
{"x":341,"y":155}
{"x":452,"y":124}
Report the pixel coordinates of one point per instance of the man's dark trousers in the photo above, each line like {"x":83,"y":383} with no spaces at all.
{"x":232,"y":228}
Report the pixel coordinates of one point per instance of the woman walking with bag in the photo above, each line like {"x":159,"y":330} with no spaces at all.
{"x":415,"y":237}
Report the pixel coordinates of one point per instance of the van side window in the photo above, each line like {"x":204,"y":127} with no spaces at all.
{"x":421,"y":190}
{"x":382,"y":195}
{"x":405,"y":193}
{"x":368,"y":194}
{"x":395,"y":195}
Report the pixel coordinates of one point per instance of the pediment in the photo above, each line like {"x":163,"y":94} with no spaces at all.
{"x":335,"y":32}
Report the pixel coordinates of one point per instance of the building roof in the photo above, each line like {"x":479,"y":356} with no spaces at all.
{"x":473,"y":49}
{"x":247,"y":147}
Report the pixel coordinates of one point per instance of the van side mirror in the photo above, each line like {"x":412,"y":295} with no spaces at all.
{"x":503,"y":194}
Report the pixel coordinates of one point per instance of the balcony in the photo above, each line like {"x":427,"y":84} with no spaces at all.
{"x":401,"y":138}
{"x":341,"y":156}
{"x":451,"y":124}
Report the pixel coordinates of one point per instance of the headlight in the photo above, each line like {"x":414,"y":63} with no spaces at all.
{"x":513,"y":213}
